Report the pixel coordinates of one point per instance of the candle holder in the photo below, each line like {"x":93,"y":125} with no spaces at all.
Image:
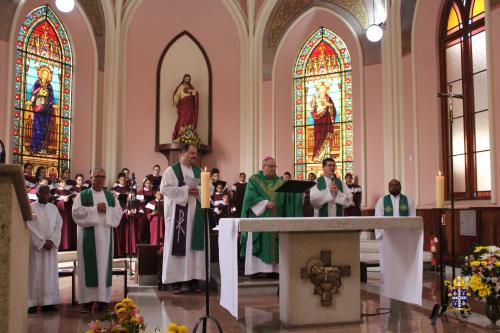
{"x":207,"y":316}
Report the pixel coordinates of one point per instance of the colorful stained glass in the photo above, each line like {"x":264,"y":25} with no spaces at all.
{"x":41,"y":119}
{"x":323,"y":105}
{"x":477,"y":10}
{"x":453,"y":20}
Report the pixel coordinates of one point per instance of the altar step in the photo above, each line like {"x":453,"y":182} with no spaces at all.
{"x":246,"y":285}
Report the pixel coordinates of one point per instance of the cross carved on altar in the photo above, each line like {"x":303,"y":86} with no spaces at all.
{"x":325,"y":277}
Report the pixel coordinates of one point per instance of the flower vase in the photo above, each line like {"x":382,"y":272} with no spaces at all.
{"x":492,"y":311}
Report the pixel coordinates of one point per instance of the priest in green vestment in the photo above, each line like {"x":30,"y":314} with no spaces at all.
{"x":330,"y":195}
{"x":260,"y":249}
{"x":394,"y":204}
{"x":96,"y":212}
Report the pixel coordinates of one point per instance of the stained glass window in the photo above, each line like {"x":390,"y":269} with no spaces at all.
{"x":41,"y":128}
{"x":323,"y":105}
{"x":463,"y":58}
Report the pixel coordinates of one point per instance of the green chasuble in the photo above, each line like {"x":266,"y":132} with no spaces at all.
{"x":404,"y":209}
{"x":259,"y":188}
{"x":89,"y":249}
{"x":321,"y":184}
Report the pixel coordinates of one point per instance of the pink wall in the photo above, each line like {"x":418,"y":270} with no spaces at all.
{"x":213,"y":26}
{"x":267,"y":101}
{"x":3,"y":92}
{"x":428,"y":105}
{"x":374,"y":135}
{"x":84,"y":66}
{"x":288,"y":50}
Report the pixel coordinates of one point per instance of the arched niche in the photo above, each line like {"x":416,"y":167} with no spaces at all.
{"x":182,"y":55}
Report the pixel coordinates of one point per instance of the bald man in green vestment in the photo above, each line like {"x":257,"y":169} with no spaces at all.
{"x":260,"y":249}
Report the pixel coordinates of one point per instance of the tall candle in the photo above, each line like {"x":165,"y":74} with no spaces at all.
{"x":205,"y":189}
{"x":439,"y":191}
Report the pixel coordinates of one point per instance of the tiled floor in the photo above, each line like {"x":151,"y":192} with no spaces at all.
{"x":261,"y":313}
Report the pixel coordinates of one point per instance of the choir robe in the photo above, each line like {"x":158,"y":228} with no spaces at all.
{"x":32,"y":194}
{"x":261,"y":249}
{"x":43,"y":274}
{"x":78,"y":189}
{"x":120,"y":189}
{"x":127,"y":234}
{"x":238,"y":190}
{"x":145,"y":196}
{"x":95,"y":286}
{"x":68,"y":233}
{"x":29,"y":181}
{"x":156,"y":180}
{"x":155,"y":221}
{"x":335,"y":202}
{"x":221,"y":211}
{"x":354,"y":210}
{"x":192,"y":264}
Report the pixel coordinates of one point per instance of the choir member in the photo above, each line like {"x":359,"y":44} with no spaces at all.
{"x":308,"y":208}
{"x":155,"y":177}
{"x":238,"y":192}
{"x":32,"y":192}
{"x":64,"y":203}
{"x":80,"y":183}
{"x":29,"y":179}
{"x":121,"y":185}
{"x":66,"y":175}
{"x":147,"y":193}
{"x":154,"y":214}
{"x":222,"y":209}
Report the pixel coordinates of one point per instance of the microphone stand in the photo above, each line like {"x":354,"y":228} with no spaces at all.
{"x":207,"y":316}
{"x":131,"y":218}
{"x":440,"y":308}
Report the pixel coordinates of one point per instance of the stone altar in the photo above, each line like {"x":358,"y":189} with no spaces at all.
{"x":303,"y":238}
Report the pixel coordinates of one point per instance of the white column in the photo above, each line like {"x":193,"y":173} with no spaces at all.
{"x":393,"y":117}
{"x":112,"y":151}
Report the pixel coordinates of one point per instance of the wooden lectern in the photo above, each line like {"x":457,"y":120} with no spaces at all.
{"x":14,"y":237}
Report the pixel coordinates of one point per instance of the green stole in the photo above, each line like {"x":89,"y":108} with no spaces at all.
{"x":259,"y":188}
{"x":321,"y":184}
{"x":197,"y":240}
{"x":403,"y":206}
{"x":89,"y":249}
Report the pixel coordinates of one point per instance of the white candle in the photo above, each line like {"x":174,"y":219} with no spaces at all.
{"x":205,"y":189}
{"x":439,"y":191}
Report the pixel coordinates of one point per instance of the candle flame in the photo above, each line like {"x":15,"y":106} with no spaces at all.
{"x":206,"y":169}
{"x":439,"y":172}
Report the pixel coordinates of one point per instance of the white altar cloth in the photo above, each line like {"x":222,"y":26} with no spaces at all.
{"x":401,"y":252}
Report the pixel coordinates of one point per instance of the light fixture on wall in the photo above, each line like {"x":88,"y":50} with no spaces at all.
{"x":65,"y":6}
{"x":374,"y":33}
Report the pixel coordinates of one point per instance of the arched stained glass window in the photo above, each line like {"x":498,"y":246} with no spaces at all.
{"x":463,"y":63}
{"x":323,"y":105}
{"x":41,"y":128}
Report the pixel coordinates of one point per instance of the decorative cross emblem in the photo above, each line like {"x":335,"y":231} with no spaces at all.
{"x":325,"y":277}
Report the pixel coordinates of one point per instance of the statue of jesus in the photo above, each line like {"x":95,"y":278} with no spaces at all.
{"x":186,"y":100}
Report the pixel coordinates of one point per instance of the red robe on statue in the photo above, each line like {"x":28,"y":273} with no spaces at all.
{"x":187,"y":114}
{"x":323,"y":124}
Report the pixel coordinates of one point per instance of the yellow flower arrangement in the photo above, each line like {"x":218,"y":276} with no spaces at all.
{"x":124,"y":319}
{"x":482,"y":271}
{"x":174,"y":328}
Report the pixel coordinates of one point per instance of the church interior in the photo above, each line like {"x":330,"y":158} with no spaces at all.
{"x":390,"y":89}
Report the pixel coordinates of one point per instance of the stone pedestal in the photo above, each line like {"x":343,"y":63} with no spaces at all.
{"x":299,"y":307}
{"x":14,"y":211}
